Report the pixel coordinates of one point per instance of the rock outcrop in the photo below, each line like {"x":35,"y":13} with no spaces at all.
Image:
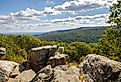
{"x":60,"y":73}
{"x":46,"y":55}
{"x":38,"y":57}
{"x":96,"y":68}
{"x":48,"y":64}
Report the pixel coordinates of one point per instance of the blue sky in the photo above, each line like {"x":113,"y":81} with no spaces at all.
{"x":49,"y":15}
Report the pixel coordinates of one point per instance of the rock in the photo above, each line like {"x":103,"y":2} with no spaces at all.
{"x":44,"y":75}
{"x":58,"y":59}
{"x":61,"y":50}
{"x":25,"y":76}
{"x":17,"y":71}
{"x":2,"y":53}
{"x":13,"y":80}
{"x":61,"y":73}
{"x":6,"y":69}
{"x":66,"y":74}
{"x":96,"y":68}
{"x":38,"y":57}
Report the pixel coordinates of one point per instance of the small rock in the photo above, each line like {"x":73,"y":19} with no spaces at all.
{"x":25,"y":76}
{"x":61,"y":50}
{"x":44,"y":75}
{"x":59,"y":59}
{"x":17,"y":71}
{"x":2,"y":53}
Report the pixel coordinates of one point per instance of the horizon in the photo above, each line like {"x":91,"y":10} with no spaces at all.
{"x":27,"y":32}
{"x":52,"y":15}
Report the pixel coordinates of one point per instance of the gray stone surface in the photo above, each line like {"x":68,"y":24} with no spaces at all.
{"x":17,"y":71}
{"x":38,"y":57}
{"x":58,"y":59}
{"x":44,"y":75}
{"x":61,"y":50}
{"x":6,"y":68}
{"x":26,"y":76}
{"x":96,"y":68}
{"x":60,"y":73}
{"x":2,"y":53}
{"x":66,"y":74}
{"x":50,"y":66}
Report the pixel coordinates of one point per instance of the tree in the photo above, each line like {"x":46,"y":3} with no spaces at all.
{"x":76,"y":50}
{"x":110,"y":43}
{"x":115,"y":16}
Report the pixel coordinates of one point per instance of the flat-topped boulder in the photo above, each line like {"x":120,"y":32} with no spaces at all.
{"x":39,"y":56}
{"x":96,"y":68}
{"x":44,"y":47}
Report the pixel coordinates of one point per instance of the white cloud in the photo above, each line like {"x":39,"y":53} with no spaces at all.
{"x":17,"y":20}
{"x":50,"y":2}
{"x":28,"y":14}
{"x":82,"y":5}
{"x":21,"y":16}
{"x":83,"y":19}
{"x":63,"y":20}
{"x":25,"y":19}
{"x":77,"y":6}
{"x":80,"y":21}
{"x":114,"y":2}
{"x":49,"y":10}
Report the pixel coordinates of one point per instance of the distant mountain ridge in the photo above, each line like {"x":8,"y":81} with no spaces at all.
{"x":23,"y":33}
{"x":85,"y":34}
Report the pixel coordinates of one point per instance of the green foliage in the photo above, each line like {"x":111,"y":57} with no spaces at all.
{"x":115,"y":16}
{"x":26,"y":41}
{"x":13,"y":51}
{"x":110,"y":43}
{"x":95,"y":48}
{"x":83,"y":34}
{"x":17,"y":46}
{"x":76,"y":50}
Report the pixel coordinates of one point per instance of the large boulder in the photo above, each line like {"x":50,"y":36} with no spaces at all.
{"x":61,"y":73}
{"x":2,"y":53}
{"x":39,"y":56}
{"x":96,"y":68}
{"x":7,"y":68}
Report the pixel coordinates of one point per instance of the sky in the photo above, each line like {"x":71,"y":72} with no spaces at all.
{"x":50,"y":15}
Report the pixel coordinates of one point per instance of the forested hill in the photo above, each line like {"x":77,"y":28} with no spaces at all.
{"x":85,"y":34}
